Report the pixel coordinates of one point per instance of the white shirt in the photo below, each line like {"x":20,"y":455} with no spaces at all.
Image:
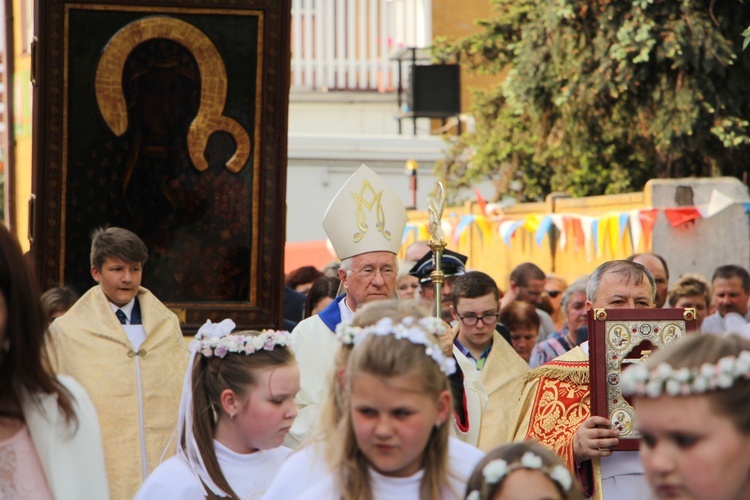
{"x":249,"y":475}
{"x":462,"y":458}
{"x":300,"y":471}
{"x":719,"y":325}
{"x":735,"y":323}
{"x":127,"y":309}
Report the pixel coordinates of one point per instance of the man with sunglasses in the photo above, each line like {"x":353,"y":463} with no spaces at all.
{"x":487,"y":362}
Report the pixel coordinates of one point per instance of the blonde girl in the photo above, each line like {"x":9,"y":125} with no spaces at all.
{"x":237,"y":406}
{"x":525,"y":470}
{"x":393,"y":435}
{"x":692,"y":402}
{"x":313,"y":459}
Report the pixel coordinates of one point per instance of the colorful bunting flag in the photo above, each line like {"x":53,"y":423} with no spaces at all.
{"x":681,"y":215}
{"x":613,"y":228}
{"x":484,"y":227}
{"x":481,"y":201}
{"x":587,"y":226}
{"x":718,"y":202}
{"x":466,"y":221}
{"x":507,"y":229}
{"x":648,"y":219}
{"x":543,"y":229}
{"x":559,"y":221}
{"x":578,"y":236}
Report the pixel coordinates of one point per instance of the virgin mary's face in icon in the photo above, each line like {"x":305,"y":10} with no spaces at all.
{"x":164,"y":94}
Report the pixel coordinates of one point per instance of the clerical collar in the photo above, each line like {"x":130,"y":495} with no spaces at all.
{"x":346,"y":313}
{"x":127,"y":309}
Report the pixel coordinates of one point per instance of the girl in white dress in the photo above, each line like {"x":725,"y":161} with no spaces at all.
{"x":237,"y":405}
{"x":50,"y":440}
{"x":692,"y":402}
{"x":392,"y":440}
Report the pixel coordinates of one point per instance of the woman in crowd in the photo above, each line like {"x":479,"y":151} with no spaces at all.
{"x":50,"y":443}
{"x":301,"y":279}
{"x":237,"y":406}
{"x":553,"y":288}
{"x":523,"y":322}
{"x":692,"y":290}
{"x":522,"y":470}
{"x":322,"y":293}
{"x":574,"y":305}
{"x":406,"y":284}
{"x":692,"y":399}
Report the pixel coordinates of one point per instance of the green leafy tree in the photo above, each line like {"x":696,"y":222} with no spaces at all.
{"x":599,"y":96}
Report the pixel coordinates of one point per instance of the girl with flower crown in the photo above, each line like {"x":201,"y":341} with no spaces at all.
{"x":314,"y":459}
{"x":692,"y":402}
{"x":522,"y":470}
{"x":392,"y":440}
{"x":237,"y":406}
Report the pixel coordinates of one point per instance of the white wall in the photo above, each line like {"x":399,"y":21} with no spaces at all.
{"x":319,"y":165}
{"x":332,"y":134}
{"x":703,"y":244}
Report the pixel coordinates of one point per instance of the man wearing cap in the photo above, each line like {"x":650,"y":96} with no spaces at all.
{"x":365,"y":222}
{"x":453,"y":266}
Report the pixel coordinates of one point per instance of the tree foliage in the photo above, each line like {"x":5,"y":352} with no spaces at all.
{"x":600,"y":96}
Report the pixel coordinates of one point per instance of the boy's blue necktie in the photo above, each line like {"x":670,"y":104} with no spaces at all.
{"x":121,"y":316}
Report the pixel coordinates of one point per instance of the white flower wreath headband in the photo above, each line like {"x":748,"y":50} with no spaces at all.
{"x":216,"y":340}
{"x":638,"y":380}
{"x":497,"y":470}
{"x":411,"y":329}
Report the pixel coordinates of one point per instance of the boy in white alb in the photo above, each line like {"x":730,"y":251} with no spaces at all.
{"x":127,"y":351}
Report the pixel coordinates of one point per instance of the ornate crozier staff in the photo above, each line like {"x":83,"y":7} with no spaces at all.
{"x":435,"y":208}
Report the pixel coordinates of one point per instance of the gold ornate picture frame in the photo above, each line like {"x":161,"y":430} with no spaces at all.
{"x":168,"y":119}
{"x":619,"y":338}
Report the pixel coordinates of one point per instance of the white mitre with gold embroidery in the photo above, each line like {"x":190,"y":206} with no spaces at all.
{"x":366,"y":215}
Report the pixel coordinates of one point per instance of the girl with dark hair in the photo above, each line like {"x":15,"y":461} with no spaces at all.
{"x":50,"y":444}
{"x":237,"y":406}
{"x":301,"y":279}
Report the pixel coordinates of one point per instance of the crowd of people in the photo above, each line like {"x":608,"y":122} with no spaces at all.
{"x":375,"y":393}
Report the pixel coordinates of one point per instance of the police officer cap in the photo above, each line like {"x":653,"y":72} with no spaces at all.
{"x":453,"y":264}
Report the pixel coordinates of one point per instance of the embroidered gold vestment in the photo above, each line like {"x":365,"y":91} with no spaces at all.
{"x":502,"y":378}
{"x":89,"y":344}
